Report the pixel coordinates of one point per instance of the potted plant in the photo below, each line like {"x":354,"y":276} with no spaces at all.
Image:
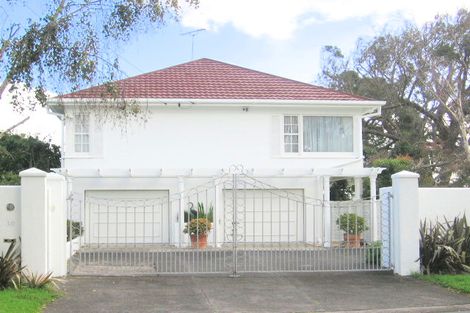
{"x":198,"y":224}
{"x":198,"y":228}
{"x":353,"y":227}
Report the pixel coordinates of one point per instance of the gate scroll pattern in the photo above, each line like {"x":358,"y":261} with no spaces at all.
{"x":256,"y":227}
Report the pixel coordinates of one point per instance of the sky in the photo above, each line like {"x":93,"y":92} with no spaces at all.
{"x":284,"y":38}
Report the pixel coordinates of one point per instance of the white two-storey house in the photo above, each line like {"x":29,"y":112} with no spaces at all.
{"x":201,"y":121}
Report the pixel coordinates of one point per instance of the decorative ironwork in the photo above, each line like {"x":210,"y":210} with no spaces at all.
{"x":255,"y":227}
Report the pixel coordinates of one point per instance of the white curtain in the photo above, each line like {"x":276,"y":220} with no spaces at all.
{"x":328,"y":134}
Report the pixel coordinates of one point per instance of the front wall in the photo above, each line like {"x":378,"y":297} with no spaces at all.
{"x":203,"y":138}
{"x":443,"y":203}
{"x":9,"y":220}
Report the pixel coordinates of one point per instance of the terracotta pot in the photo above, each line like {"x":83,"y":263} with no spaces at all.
{"x":352,"y":240}
{"x":199,"y":242}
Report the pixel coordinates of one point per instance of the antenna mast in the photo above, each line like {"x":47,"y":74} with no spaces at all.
{"x":193,"y":34}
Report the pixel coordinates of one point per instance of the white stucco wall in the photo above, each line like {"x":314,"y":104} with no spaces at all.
{"x":9,"y":220}
{"x":43,"y":222}
{"x":440,"y":203}
{"x":197,"y":137}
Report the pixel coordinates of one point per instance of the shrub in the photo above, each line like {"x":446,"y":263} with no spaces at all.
{"x":31,"y":280}
{"x":392,"y":166}
{"x":351,"y":223}
{"x":10,"y":266}
{"x":9,"y":178}
{"x":77,"y":229}
{"x":445,"y":247}
{"x":374,"y":253}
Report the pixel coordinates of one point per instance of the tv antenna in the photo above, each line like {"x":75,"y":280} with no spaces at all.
{"x":193,"y":34}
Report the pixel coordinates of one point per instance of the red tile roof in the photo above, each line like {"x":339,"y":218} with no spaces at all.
{"x":210,"y":79}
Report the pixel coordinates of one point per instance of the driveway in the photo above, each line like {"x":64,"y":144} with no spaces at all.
{"x":306,"y":292}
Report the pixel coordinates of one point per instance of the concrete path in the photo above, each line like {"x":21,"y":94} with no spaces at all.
{"x":306,"y":292}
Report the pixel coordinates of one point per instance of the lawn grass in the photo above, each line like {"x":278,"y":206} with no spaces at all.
{"x":460,"y":282}
{"x":25,"y":300}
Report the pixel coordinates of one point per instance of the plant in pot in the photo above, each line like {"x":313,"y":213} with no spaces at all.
{"x":198,"y":224}
{"x":353,"y":226}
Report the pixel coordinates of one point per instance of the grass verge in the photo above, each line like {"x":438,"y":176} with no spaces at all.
{"x":25,"y":300}
{"x":460,"y":282}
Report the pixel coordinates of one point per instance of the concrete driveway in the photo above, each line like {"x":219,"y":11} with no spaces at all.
{"x":306,"y":292}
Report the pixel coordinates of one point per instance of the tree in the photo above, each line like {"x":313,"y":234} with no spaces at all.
{"x":69,"y":45}
{"x":18,"y":152}
{"x":422,"y":73}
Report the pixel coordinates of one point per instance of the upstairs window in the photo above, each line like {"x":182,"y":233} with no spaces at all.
{"x":318,"y":134}
{"x":291,"y":134}
{"x":82,"y":133}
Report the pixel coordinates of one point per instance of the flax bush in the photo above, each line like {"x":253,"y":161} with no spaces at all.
{"x":10,"y":266}
{"x":445,"y":247}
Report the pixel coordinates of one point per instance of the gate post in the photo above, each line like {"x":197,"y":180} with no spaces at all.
{"x":43,"y":222}
{"x":234,"y":226}
{"x":181,"y":209}
{"x":386,"y":226}
{"x":373,"y":201}
{"x":326,"y":212}
{"x":405,"y":223}
{"x":34,"y":224}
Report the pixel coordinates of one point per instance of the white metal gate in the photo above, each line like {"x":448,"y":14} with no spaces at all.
{"x":255,"y":227}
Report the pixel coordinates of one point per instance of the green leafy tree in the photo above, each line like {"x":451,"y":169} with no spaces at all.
{"x":18,"y":153}
{"x":69,"y":43}
{"x":422,"y":73}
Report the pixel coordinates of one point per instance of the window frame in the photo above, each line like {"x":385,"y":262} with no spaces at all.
{"x":79,"y":120}
{"x":291,"y":134}
{"x":301,"y":153}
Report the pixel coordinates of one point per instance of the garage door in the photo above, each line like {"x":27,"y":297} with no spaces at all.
{"x":265,"y":216}
{"x":126,"y":216}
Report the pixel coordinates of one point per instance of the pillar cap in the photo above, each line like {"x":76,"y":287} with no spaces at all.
{"x":405,"y":174}
{"x":33,"y":172}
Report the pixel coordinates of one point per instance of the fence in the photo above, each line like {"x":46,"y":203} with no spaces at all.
{"x":256,"y":236}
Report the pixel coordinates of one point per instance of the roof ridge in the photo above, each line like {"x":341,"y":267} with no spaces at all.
{"x":166,"y":82}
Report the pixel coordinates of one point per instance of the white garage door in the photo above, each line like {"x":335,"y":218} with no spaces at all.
{"x":126,"y":216}
{"x":265,"y":216}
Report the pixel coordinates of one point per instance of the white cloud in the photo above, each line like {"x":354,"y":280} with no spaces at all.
{"x":280,"y":19}
{"x":41,"y":124}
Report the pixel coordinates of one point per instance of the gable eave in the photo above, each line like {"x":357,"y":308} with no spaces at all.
{"x":222,"y":102}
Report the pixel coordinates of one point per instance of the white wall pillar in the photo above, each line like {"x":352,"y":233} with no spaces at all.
{"x":56,"y":200}
{"x":373,"y":206}
{"x":326,"y":212}
{"x":43,"y":222}
{"x":405,"y":223}
{"x":357,"y":188}
{"x":34,"y":221}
